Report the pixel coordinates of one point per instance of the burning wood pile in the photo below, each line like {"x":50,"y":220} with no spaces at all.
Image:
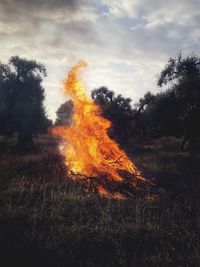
{"x":90,"y":155}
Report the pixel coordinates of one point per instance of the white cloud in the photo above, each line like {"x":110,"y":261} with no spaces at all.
{"x":125,"y":43}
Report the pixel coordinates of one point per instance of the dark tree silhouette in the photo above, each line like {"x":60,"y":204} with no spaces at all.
{"x":191,"y":129}
{"x":21,"y":98}
{"x":184,"y":73}
{"x":180,"y":68}
{"x":157,"y":115}
{"x":117,"y":109}
{"x":140,"y":118}
{"x":64,"y":114}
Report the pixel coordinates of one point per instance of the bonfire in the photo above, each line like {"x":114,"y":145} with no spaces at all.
{"x":91,"y":156}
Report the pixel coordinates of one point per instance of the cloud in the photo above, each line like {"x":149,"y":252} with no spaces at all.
{"x":126,"y":43}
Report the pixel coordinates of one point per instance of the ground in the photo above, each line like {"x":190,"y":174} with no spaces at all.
{"x":48,"y":220}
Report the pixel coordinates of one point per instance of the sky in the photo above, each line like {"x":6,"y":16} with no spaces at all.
{"x":126,"y":43}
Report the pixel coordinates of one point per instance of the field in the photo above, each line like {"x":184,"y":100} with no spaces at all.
{"x":47,"y":220}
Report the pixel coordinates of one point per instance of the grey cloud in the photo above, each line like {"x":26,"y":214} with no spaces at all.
{"x":21,"y":6}
{"x":126,"y":43}
{"x":20,"y":15}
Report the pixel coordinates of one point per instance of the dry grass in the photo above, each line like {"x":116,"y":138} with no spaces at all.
{"x":46,"y":220}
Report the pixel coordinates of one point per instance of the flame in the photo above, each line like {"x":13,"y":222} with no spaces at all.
{"x":86,"y":146}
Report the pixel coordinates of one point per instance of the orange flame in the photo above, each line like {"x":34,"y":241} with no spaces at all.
{"x":86,"y":146}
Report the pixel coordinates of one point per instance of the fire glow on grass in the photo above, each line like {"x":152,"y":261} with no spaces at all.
{"x":86,"y":146}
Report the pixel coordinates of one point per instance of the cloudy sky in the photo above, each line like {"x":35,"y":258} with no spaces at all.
{"x":125,"y":42}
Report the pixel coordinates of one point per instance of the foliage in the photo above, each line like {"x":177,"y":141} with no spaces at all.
{"x":64,"y":113}
{"x":175,"y":111}
{"x":160,"y":115}
{"x":185,"y":74}
{"x":117,"y":109}
{"x":21,"y":98}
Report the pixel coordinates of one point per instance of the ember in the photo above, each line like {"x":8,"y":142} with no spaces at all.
{"x":89,"y":153}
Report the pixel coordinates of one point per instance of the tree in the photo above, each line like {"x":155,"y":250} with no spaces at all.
{"x":184,"y":74}
{"x":157,"y":115}
{"x":117,"y":109}
{"x":191,"y":129}
{"x":64,"y":113}
{"x":21,"y":98}
{"x":141,"y":118}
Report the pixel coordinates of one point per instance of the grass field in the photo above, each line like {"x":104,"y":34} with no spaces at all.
{"x":47,"y":220}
